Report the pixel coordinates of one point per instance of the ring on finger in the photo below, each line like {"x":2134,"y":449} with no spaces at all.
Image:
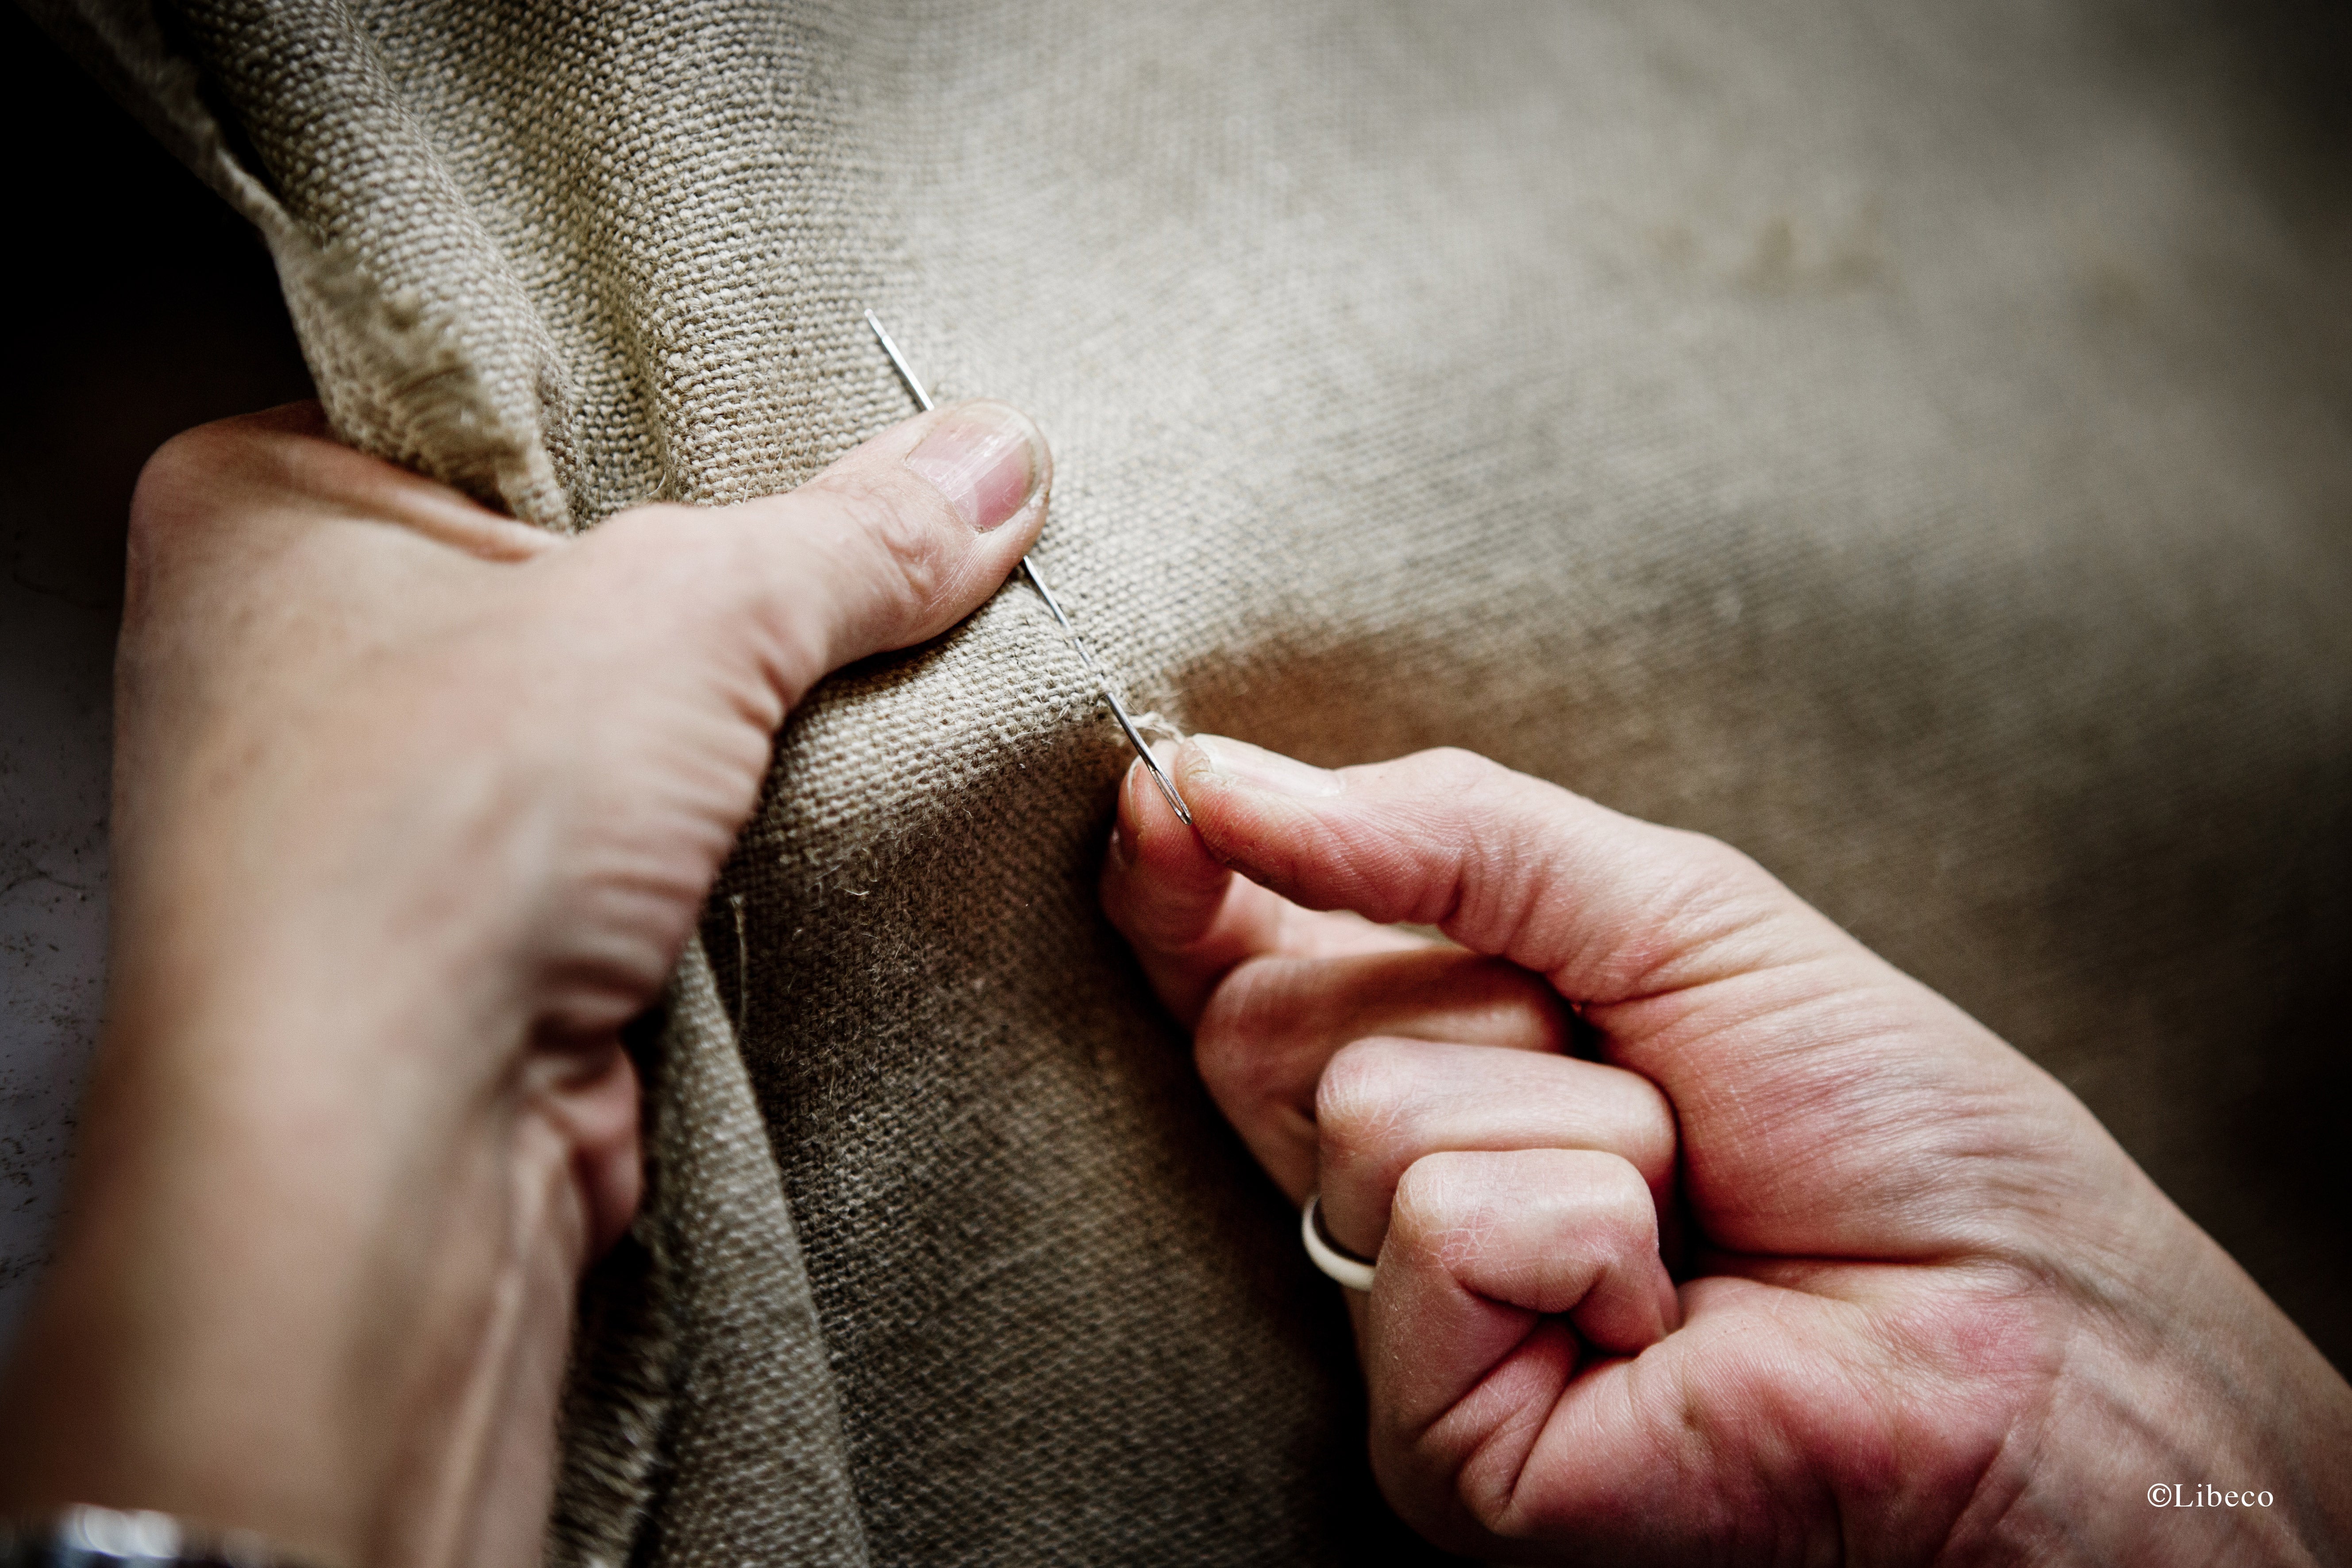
{"x":1337,"y":1262}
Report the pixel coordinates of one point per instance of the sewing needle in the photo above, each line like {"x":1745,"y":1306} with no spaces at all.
{"x":1054,"y":606}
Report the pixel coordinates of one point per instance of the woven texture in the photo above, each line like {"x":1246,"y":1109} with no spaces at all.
{"x":1907,"y":440}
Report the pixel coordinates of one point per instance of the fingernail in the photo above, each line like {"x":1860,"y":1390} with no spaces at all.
{"x":984,"y":457}
{"x":1238,"y":761}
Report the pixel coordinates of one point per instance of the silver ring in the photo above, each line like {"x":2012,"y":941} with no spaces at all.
{"x":1349,"y":1269}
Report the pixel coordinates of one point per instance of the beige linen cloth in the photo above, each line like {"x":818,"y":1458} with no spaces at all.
{"x":1909,"y":440}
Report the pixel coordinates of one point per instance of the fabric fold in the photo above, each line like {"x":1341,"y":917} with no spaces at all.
{"x":698,"y":1378}
{"x":1903,"y":441}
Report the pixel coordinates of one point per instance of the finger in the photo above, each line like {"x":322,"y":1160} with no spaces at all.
{"x":889,"y":547}
{"x":1653,"y":1457}
{"x":1192,"y":921}
{"x":1386,"y":1105}
{"x":1481,"y":1248}
{"x":1189,"y":919}
{"x":1607,"y":907}
{"x":1266,"y":1035}
{"x":1760,"y":1019}
{"x":1545,"y":1443}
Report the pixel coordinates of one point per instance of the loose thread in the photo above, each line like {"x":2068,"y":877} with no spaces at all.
{"x":742,"y":967}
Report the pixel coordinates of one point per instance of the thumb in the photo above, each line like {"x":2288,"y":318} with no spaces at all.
{"x":889,"y":547}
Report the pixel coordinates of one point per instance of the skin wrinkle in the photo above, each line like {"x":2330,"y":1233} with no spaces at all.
{"x":1788,"y":1409}
{"x":1493,"y":1504}
{"x":1698,"y":1009}
{"x":1899,"y":1416}
{"x":1374,"y":865}
{"x":899,"y":534}
{"x":1529,"y":1425}
{"x":1416,"y":1434}
{"x":1710,"y":909}
{"x":1485,"y":915}
{"x":1959,"y":1547}
{"x":1648,"y":1131}
{"x":1495,"y":927}
{"x":1567,"y":1418}
{"x":1965,"y":1377}
{"x":2033,"y":1425}
{"x":1462,"y":1238}
{"x":342,"y":693}
{"x":1349,"y":1112}
{"x":1845,"y":1398}
{"x":473,"y":1429}
{"x":1870,"y":1451}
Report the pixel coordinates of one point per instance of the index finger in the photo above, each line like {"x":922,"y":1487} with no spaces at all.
{"x":1793,"y":1057}
{"x":1191,"y":921}
{"x":1609,"y":907}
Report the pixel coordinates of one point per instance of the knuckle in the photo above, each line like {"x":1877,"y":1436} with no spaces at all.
{"x":180,"y":477}
{"x":1243,"y":1006}
{"x":1715,"y":861}
{"x":176,"y":463}
{"x":1258,"y":1004}
{"x":1363,"y":1099}
{"x":1699,"y":878}
{"x":1620,"y":1212}
{"x":1649,"y":1134}
{"x":1234,"y":1072}
{"x":1451,"y":770}
{"x":194,"y":482}
{"x":1262,"y":1037}
{"x":1706,"y":894}
{"x":1513,"y":1004}
{"x":905,"y":537}
{"x":660,"y":537}
{"x":1427,"y":1211}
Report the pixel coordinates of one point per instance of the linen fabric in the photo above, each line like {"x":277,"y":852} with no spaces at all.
{"x":1906,"y":440}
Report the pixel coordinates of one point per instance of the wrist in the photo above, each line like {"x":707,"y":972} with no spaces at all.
{"x":307,"y":957}
{"x":291,"y":1263}
{"x":2187,"y":1421}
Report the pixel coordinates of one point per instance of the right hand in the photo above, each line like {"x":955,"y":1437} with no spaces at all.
{"x":1931,"y":1311}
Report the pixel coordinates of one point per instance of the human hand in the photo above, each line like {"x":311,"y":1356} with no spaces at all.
{"x":415,"y":806}
{"x":1929,"y":1310}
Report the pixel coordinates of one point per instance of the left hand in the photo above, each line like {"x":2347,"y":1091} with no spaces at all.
{"x":415,"y":806}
